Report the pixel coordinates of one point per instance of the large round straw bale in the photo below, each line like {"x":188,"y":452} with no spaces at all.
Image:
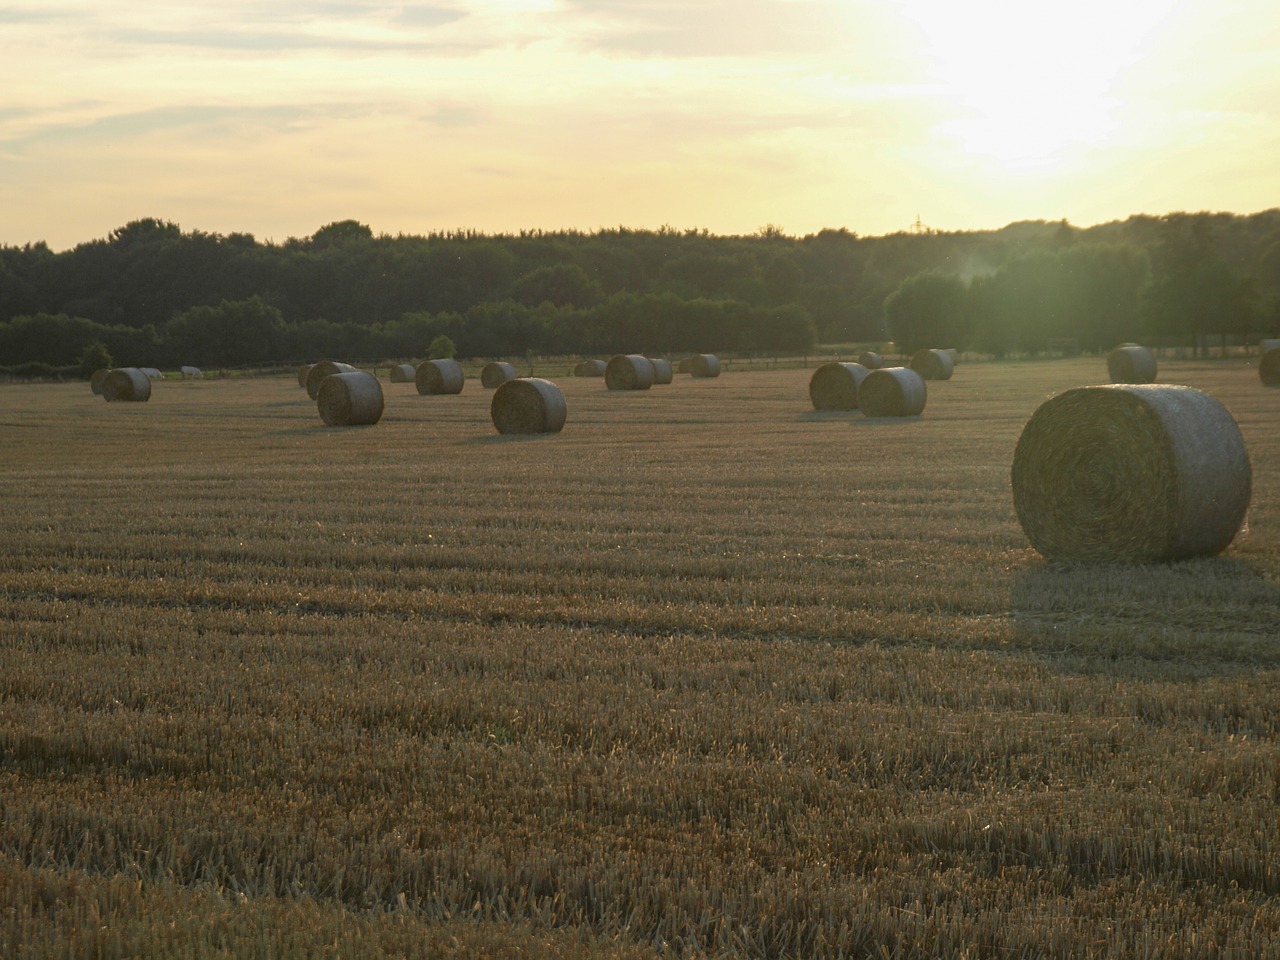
{"x":589,"y":368}
{"x":350,"y":399}
{"x":1269,"y":367}
{"x":325,"y":368}
{"x":95,"y":381}
{"x":1131,"y":364}
{"x":834,"y":386}
{"x":662,"y":372}
{"x":892,"y":392}
{"x":439,"y":376}
{"x":495,"y":373}
{"x":1130,"y":473}
{"x":302,"y":373}
{"x":402,"y":373}
{"x":126,"y":383}
{"x":704,"y":365}
{"x":871,"y":360}
{"x":628,"y":371}
{"x":932,"y":364}
{"x":683,"y":365}
{"x":528,"y":405}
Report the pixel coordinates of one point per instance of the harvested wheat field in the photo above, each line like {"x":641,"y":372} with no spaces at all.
{"x":710,"y":674}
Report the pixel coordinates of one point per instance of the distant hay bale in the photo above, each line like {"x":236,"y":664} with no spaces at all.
{"x":528,"y":405}
{"x":834,"y":386}
{"x":442,"y":376}
{"x":932,"y":364}
{"x":192,"y":373}
{"x":589,"y":368}
{"x":1269,"y":367}
{"x":495,"y":373}
{"x":302,"y":373}
{"x":871,"y":360}
{"x":402,"y":373}
{"x":126,"y":383}
{"x":152,"y":373}
{"x":953,"y":353}
{"x":628,"y":371}
{"x":704,"y":365}
{"x":325,"y":368}
{"x":1130,"y":473}
{"x":892,"y":392}
{"x":95,"y":381}
{"x":350,"y":399}
{"x":683,"y":365}
{"x":662,"y":372}
{"x":1130,"y":363}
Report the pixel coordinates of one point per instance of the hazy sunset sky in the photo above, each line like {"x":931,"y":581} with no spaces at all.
{"x":276,"y":118}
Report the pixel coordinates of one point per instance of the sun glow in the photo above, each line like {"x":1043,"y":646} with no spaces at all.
{"x":1030,"y":84}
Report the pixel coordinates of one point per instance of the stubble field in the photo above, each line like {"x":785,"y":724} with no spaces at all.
{"x":708,"y":673}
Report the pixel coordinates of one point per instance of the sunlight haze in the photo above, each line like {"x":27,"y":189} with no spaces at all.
{"x":277,"y":118}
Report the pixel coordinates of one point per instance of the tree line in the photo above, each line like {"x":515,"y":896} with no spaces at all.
{"x":151,"y":294}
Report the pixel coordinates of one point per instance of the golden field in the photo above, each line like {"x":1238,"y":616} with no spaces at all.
{"x":706,"y":674}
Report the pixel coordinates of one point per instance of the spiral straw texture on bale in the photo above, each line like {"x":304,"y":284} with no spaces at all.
{"x":834,"y":386}
{"x":628,"y":371}
{"x":495,"y":373}
{"x":933,"y":364}
{"x":325,"y":368}
{"x":1131,"y":363}
{"x":662,"y":372}
{"x":589,"y":368}
{"x":1269,"y":367}
{"x":126,"y":383}
{"x":871,"y":360}
{"x":892,"y":392}
{"x":528,"y":405}
{"x":1131,"y":474}
{"x":402,"y":373}
{"x":302,"y":374}
{"x":704,"y":365}
{"x":95,"y":381}
{"x":439,"y":377}
{"x":352,"y":399}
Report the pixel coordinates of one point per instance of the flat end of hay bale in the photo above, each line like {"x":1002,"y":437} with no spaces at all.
{"x":528,"y":405}
{"x":325,"y":368}
{"x":932,"y":364}
{"x":1269,"y":367}
{"x":1130,"y":474}
{"x":495,"y":373}
{"x":628,"y":371}
{"x":834,"y":386}
{"x":129,"y":384}
{"x":436,"y":377}
{"x":704,"y":365}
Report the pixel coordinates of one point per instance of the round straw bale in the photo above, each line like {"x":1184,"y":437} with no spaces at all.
{"x":325,"y":368}
{"x":932,"y":364}
{"x":1269,"y":367}
{"x":683,"y":365}
{"x":528,"y":405}
{"x":95,"y":381}
{"x":350,"y":399}
{"x":302,"y":373}
{"x":126,"y":383}
{"x":1130,"y":473}
{"x":871,"y":360}
{"x":662,"y":372}
{"x":402,"y":373}
{"x":439,"y":376}
{"x":628,"y":371}
{"x":589,"y":368}
{"x":834,"y":386}
{"x":495,"y":373}
{"x":1131,"y":364}
{"x":704,"y":365}
{"x":892,"y":392}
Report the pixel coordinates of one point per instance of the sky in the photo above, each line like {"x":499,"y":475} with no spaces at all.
{"x":277,"y":118}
